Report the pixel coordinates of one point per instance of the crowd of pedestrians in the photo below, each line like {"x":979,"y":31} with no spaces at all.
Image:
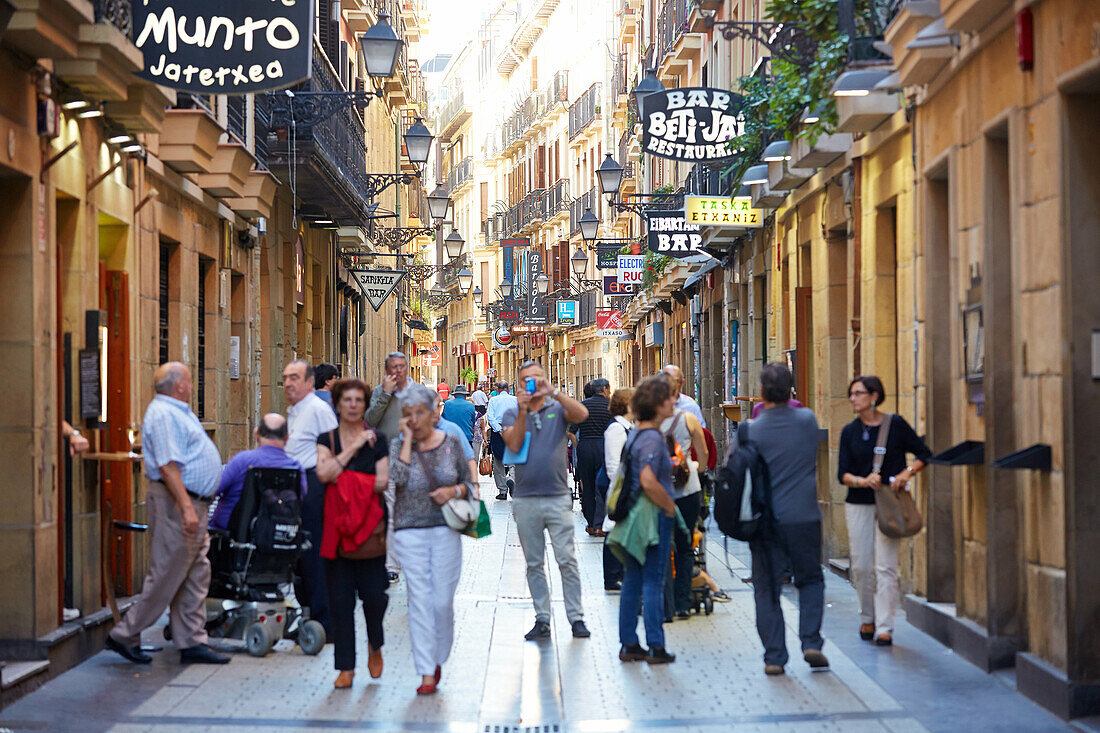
{"x":384,"y":473}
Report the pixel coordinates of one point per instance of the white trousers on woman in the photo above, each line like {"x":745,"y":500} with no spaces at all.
{"x":432,"y":561}
{"x":874,"y":567}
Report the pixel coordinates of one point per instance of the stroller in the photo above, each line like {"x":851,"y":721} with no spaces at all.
{"x":254,"y":560}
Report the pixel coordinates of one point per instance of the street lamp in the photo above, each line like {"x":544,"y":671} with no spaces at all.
{"x":418,"y":142}
{"x":437,"y":291}
{"x":588,"y":225}
{"x":380,"y":47}
{"x":542,"y":284}
{"x":465,"y":279}
{"x":478,"y":296}
{"x":506,"y":288}
{"x":579,"y":263}
{"x":649,"y":85}
{"x":439,"y":202}
{"x":610,"y":174}
{"x":755,"y":174}
{"x":453,"y":243}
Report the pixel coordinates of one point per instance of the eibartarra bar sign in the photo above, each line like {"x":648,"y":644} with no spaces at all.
{"x":692,"y":124}
{"x":224,"y":46}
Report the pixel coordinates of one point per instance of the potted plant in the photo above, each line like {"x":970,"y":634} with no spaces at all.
{"x":468,"y":376}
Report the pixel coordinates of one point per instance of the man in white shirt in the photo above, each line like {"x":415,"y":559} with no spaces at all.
{"x":307,"y":417}
{"x":480,"y":398}
{"x":497,"y":406}
{"x":684,"y":402}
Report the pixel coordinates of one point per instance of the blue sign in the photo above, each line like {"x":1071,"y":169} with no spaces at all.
{"x":567,"y":312}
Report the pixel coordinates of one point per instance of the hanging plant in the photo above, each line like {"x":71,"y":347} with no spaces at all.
{"x":653,"y":268}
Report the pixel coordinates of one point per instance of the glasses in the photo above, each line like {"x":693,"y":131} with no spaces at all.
{"x":856,"y":392}
{"x":537,"y":420}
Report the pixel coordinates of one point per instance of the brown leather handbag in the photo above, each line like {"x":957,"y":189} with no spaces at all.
{"x":896,"y":512}
{"x":375,"y":544}
{"x":485,"y":465}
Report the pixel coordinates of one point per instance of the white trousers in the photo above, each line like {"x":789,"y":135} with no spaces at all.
{"x":432,"y":563}
{"x":874,"y":567}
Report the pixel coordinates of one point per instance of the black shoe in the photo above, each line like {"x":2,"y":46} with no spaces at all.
{"x":393,"y":577}
{"x":580,"y":631}
{"x":133,"y":654}
{"x":511,"y":486}
{"x":683,"y":615}
{"x":658,"y":655}
{"x":615,"y":587}
{"x":202,"y":654}
{"x":502,"y":496}
{"x":632,"y":653}
{"x":541,"y":630}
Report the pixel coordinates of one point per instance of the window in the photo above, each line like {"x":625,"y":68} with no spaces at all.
{"x":165,"y":262}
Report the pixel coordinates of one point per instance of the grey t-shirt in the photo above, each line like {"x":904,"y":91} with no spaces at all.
{"x":787,"y":439}
{"x":546,"y":472}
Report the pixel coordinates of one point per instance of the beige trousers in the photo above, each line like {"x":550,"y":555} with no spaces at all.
{"x":874,"y":568}
{"x":178,"y":578}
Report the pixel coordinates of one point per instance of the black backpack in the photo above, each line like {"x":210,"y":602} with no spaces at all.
{"x":278,"y":521}
{"x":743,"y":494}
{"x":627,"y":495}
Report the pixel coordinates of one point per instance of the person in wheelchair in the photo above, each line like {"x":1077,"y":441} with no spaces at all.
{"x":270,"y":452}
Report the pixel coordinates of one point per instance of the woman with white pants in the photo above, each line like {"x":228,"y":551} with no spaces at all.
{"x":428,"y":470}
{"x":874,"y":556}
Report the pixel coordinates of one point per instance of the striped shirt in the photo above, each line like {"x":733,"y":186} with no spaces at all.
{"x":599,"y":417}
{"x":171,"y":433}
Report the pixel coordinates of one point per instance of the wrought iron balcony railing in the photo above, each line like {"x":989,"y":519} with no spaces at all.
{"x":460,"y":174}
{"x":584,"y":110}
{"x":705,"y":181}
{"x":588,"y":200}
{"x":672,"y":24}
{"x":118,"y":13}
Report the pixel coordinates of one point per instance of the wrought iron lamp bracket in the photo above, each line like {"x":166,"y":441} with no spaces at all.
{"x":420,"y":273}
{"x":306,"y":109}
{"x":783,"y":40}
{"x":663,"y":202}
{"x":397,"y":238}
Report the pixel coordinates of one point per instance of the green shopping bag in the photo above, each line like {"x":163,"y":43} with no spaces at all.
{"x":480,"y":528}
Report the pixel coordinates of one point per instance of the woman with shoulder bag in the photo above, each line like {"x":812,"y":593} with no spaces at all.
{"x":352,"y":461}
{"x":428,"y":470}
{"x":614,"y":438}
{"x":874,"y":555}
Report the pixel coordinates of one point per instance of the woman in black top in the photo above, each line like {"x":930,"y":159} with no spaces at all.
{"x":353,"y":447}
{"x":874,"y":556}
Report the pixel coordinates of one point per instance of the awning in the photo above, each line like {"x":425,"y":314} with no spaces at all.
{"x":697,"y":277}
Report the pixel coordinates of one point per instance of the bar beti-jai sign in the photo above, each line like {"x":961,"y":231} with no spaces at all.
{"x":692,"y":124}
{"x":224,"y":46}
{"x":722,"y":211}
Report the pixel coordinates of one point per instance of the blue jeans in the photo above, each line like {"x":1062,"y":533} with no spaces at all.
{"x":645,"y":584}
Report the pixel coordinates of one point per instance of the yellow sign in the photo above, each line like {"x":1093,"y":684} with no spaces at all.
{"x":722,"y":211}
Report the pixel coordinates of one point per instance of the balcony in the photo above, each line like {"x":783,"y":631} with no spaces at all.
{"x":452,"y":115}
{"x":705,"y":181}
{"x":555,"y":201}
{"x":189,"y":140}
{"x":460,"y":175}
{"x":676,"y":45}
{"x":630,"y":16}
{"x":331,"y":156}
{"x":452,"y":268}
{"x":584,"y":111}
{"x":589,"y":200}
{"x":921,"y":42}
{"x":514,"y":128}
{"x":530,"y":210}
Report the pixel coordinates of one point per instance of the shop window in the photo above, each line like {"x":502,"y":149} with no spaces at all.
{"x":167,"y":254}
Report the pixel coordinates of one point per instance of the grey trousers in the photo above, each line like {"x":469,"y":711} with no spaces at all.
{"x":534,"y":516}
{"x":178,"y":578}
{"x":500,"y":473}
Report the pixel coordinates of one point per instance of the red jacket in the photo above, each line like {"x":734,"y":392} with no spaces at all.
{"x":352,"y":510}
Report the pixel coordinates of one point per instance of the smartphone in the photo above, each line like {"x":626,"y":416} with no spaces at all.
{"x":530,"y":385}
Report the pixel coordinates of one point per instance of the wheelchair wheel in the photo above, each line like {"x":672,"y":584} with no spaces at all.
{"x":708,"y":604}
{"x":311,"y":637}
{"x":257,"y":640}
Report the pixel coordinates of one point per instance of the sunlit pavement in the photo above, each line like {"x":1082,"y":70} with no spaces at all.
{"x":496,"y":682}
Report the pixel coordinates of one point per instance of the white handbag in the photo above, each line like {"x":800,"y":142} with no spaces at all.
{"x":460,"y":513}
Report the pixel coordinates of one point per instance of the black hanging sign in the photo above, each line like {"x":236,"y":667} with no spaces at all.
{"x":537,"y":312}
{"x":694,"y":124}
{"x":669,"y":234}
{"x":224,"y":46}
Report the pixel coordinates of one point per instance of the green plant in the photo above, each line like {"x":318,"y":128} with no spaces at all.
{"x":468,"y":375}
{"x":653,"y":268}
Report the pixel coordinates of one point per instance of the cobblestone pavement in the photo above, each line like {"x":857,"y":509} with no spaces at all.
{"x":496,"y":682}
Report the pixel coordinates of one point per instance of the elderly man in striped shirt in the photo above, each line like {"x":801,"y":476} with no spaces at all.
{"x":183,"y":466}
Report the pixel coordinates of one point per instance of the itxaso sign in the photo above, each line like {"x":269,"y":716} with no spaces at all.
{"x":691,"y":123}
{"x":609,"y":324}
{"x":671,"y":235}
{"x":224,"y":46}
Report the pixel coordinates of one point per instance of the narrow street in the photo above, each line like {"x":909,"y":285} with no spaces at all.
{"x":498,"y":683}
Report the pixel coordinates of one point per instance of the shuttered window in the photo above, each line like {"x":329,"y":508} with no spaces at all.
{"x":165,"y":256}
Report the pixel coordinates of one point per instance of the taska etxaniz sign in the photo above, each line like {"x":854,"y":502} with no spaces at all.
{"x":695,"y":124}
{"x":670,"y":234}
{"x":224,"y":46}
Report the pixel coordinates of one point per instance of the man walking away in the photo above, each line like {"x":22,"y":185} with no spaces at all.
{"x":182,"y":466}
{"x":590,"y":452}
{"x":542,"y":501}
{"x":324,"y":376}
{"x":498,"y":406}
{"x":443,"y":389}
{"x":684,"y":402}
{"x":480,"y":398}
{"x":786,"y":438}
{"x":461,"y":412}
{"x":384,"y":413}
{"x":307,"y":417}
